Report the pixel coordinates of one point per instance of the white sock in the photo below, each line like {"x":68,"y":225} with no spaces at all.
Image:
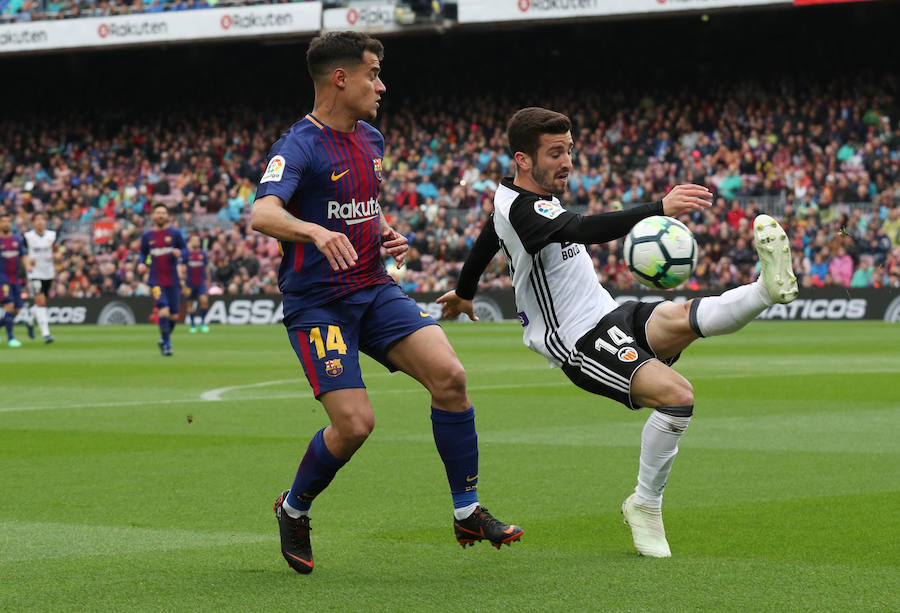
{"x":464,"y":512}
{"x":291,"y":511}
{"x":732,"y":310}
{"x":659,"y":444}
{"x":40,"y":314}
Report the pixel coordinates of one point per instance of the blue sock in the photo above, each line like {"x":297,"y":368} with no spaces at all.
{"x":317,"y":469}
{"x":203,"y":313}
{"x":164,"y":329}
{"x":8,"y":323}
{"x":457,"y":443}
{"x":172,"y":323}
{"x":191,"y":320}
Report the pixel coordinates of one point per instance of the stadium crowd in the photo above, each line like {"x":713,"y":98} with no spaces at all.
{"x":825,"y":163}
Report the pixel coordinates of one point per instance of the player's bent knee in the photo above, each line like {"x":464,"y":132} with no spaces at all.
{"x":356,"y":430}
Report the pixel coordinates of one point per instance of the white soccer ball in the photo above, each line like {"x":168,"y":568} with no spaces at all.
{"x":660,"y":252}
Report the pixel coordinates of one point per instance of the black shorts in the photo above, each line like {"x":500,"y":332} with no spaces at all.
{"x":41,"y":286}
{"x":606,"y":358}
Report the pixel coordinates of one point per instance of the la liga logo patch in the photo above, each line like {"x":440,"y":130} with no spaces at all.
{"x":548,"y":209}
{"x":274,"y":171}
{"x":628,"y":354}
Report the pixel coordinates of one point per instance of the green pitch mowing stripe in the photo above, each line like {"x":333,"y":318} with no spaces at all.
{"x":133,"y":482}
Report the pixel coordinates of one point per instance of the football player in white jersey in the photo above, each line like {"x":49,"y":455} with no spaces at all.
{"x":622,"y":352}
{"x":41,"y":247}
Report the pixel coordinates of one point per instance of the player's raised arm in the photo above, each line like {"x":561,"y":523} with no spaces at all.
{"x":605,"y":227}
{"x":483,"y":251}
{"x":270,"y":217}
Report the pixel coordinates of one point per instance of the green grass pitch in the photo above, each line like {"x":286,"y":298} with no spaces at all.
{"x":784,"y":496}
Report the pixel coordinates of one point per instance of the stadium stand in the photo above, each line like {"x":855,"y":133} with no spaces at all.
{"x":823,"y":158}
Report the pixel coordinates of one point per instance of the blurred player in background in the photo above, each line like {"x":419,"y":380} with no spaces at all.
{"x":319,"y":197}
{"x":195,"y":284}
{"x":622,"y":352}
{"x":41,"y":246}
{"x":12,"y":250}
{"x":162,"y":247}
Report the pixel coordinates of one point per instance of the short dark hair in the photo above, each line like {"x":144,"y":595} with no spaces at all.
{"x":526,"y":126}
{"x":157,"y":205}
{"x":328,"y":51}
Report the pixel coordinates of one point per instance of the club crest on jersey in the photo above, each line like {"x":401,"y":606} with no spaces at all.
{"x":376,"y":163}
{"x":274,"y":171}
{"x":548,"y":209}
{"x":333,"y":367}
{"x":628,"y":354}
{"x":168,"y":239}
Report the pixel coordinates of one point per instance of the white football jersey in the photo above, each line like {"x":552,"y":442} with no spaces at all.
{"x":40,"y":250}
{"x":558,"y":295}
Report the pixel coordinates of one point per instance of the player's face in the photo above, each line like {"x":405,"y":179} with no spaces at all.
{"x":40,"y":224}
{"x":193,"y":243}
{"x":364,"y":87}
{"x":553,"y":164}
{"x":5,"y":224}
{"x":160,"y":217}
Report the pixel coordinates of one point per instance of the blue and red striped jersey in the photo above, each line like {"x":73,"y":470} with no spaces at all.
{"x":332,"y":179}
{"x":164,"y":247}
{"x":196,"y":267}
{"x":12,"y":248}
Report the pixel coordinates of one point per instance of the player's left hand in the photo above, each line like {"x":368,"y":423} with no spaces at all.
{"x":687,"y":197}
{"x":452,"y":306}
{"x":395,"y":243}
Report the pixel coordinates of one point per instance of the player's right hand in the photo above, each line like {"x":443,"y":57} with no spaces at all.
{"x":337,"y":248}
{"x":688,"y":197}
{"x":452,"y":306}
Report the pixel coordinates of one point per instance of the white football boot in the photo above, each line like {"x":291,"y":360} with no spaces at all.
{"x":646,"y":529}
{"x":774,"y":250}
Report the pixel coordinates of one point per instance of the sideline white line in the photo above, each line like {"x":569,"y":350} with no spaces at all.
{"x":296,"y":396}
{"x":216,"y":394}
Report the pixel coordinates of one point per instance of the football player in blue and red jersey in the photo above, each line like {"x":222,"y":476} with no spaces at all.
{"x":319,"y":197}
{"x":195,"y":284}
{"x":162,"y":247}
{"x":12,"y":249}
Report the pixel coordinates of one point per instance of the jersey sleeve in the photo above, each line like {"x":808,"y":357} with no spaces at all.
{"x":145,"y":247}
{"x":22,"y":250}
{"x":285,"y":167}
{"x":180,"y":245}
{"x":486,"y":246}
{"x":536,"y":221}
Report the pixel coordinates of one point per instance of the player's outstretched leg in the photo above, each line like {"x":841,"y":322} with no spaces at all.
{"x":295,"y":545}
{"x":774,"y":251}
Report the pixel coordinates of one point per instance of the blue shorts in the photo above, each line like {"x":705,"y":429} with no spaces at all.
{"x":10,"y":292}
{"x":328,"y":338}
{"x":164,"y":297}
{"x":193,"y":292}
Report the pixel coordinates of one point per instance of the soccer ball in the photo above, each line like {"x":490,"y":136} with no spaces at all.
{"x":660,"y":252}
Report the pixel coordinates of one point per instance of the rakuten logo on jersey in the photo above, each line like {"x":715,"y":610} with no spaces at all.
{"x":267,"y":20}
{"x":354,"y":212}
{"x":160,"y":251}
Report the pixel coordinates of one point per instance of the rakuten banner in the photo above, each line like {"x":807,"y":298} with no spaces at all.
{"x":270,"y":19}
{"x":366,"y":18}
{"x":483,"y":11}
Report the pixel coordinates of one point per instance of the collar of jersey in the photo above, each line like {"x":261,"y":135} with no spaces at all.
{"x":508,"y":182}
